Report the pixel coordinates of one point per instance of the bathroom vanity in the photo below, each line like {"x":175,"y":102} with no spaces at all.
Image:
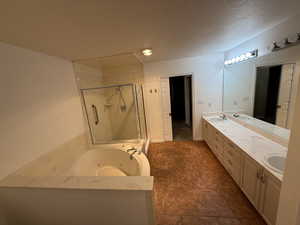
{"x":253,"y":161}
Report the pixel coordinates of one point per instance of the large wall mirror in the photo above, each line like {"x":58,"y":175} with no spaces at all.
{"x":262,"y":91}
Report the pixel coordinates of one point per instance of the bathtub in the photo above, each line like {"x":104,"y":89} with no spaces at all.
{"x":82,"y":187}
{"x":111,"y":160}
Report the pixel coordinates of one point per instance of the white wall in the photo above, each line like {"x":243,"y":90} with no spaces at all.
{"x":239,"y":88}
{"x":289,"y":206}
{"x":40,"y":107}
{"x":207,"y":88}
{"x":263,"y":42}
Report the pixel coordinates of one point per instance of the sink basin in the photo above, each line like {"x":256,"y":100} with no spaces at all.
{"x":216,"y":119}
{"x":275,"y":162}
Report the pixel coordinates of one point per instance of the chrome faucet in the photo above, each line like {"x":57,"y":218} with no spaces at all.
{"x":236,"y":115}
{"x":134,"y":150}
{"x":131,"y":154}
{"x":223,"y":116}
{"x":131,"y":149}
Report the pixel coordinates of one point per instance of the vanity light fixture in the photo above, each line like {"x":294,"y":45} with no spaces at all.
{"x":147,"y":51}
{"x":275,"y":46}
{"x":286,"y":43}
{"x":243,"y":57}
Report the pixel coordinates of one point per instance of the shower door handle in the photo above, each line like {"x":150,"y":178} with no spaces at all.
{"x":95,"y":114}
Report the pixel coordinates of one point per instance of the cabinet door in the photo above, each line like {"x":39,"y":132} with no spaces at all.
{"x":269,"y":197}
{"x":251,"y":180}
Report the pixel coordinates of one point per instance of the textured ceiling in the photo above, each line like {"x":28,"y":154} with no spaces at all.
{"x":173,"y":28}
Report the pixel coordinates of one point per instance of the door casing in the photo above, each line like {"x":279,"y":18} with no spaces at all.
{"x":193,"y":103}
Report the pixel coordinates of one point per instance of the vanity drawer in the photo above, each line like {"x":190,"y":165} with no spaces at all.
{"x":233,"y":167}
{"x":219,"y":149}
{"x":219,"y":138}
{"x":230,"y":150}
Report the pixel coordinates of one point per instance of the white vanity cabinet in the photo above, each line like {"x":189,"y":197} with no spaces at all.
{"x":270,"y":191}
{"x":232,"y":160}
{"x":226,"y":152}
{"x":214,"y":139}
{"x":251,"y":180}
{"x":209,"y":132}
{"x":259,"y":185}
{"x":261,"y":188}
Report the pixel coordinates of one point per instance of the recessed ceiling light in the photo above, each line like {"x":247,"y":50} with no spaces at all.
{"x":147,"y":51}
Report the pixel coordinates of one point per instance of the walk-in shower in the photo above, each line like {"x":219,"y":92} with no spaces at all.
{"x":115,"y":113}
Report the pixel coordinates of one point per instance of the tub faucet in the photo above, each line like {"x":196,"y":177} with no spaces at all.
{"x":131,"y":154}
{"x":131,"y":149}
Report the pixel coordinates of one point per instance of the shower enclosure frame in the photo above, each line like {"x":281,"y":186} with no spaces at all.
{"x":135,"y":99}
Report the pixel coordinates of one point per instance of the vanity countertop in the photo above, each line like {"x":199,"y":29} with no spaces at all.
{"x":253,"y":144}
{"x":274,"y":131}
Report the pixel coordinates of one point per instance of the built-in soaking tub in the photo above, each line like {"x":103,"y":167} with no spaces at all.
{"x":81,"y":186}
{"x":110,"y":161}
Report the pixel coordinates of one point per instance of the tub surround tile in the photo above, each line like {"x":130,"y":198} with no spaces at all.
{"x":136,"y":183}
{"x":52,"y":170}
{"x":190,"y":183}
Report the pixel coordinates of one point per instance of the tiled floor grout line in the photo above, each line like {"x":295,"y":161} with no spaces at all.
{"x":172,"y":170}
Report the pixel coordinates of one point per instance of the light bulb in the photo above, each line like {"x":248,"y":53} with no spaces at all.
{"x":248,"y":54}
{"x":147,"y":52}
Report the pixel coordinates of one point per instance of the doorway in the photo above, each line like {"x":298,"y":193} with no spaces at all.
{"x":181,"y":107}
{"x":273,"y":93}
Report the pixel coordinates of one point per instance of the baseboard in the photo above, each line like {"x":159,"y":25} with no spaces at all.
{"x":156,"y":140}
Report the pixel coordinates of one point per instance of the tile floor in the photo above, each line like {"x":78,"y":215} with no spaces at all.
{"x":192,"y":188}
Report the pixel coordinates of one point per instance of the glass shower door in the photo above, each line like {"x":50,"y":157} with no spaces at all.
{"x":112,"y":113}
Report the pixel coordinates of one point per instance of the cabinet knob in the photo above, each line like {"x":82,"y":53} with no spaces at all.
{"x":258,"y":174}
{"x":263,"y":177}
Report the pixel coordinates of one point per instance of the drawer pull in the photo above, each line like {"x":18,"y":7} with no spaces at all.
{"x":259,"y":174}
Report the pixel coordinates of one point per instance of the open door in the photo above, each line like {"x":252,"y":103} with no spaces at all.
{"x":166,"y":109}
{"x":284,"y":95}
